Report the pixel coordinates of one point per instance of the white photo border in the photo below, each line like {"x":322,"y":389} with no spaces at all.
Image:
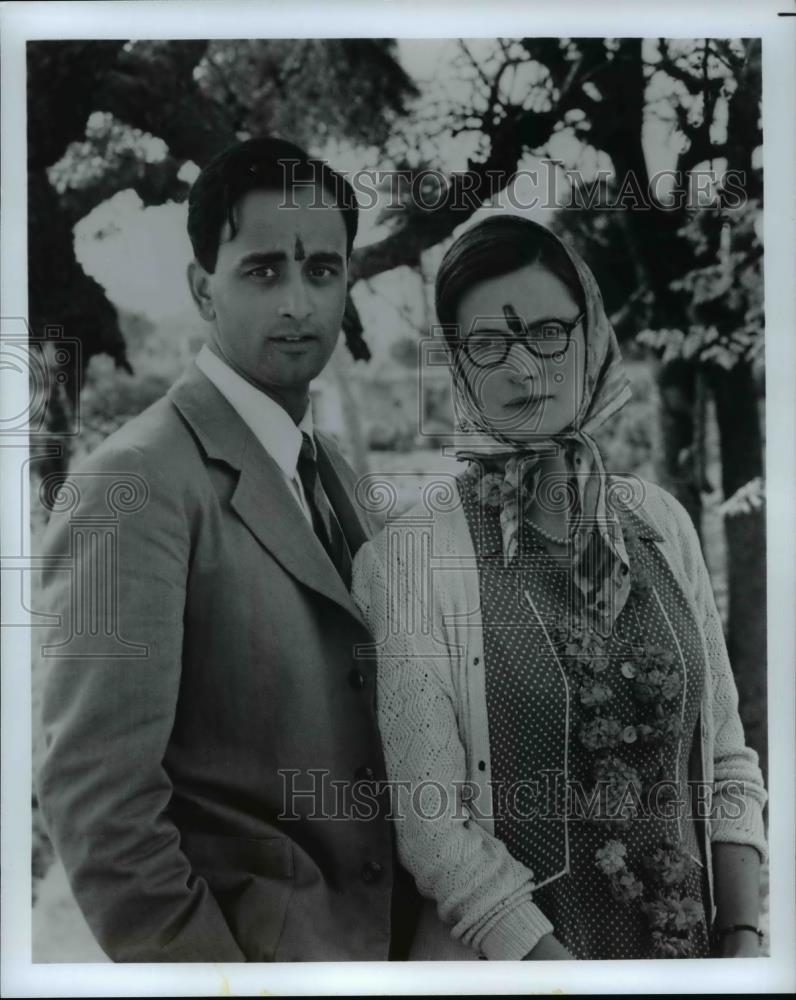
{"x":174,"y":19}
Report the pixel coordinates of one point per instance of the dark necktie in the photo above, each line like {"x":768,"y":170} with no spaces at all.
{"x":324,"y":520}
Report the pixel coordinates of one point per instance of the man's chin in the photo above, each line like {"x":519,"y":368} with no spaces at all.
{"x":293,"y":374}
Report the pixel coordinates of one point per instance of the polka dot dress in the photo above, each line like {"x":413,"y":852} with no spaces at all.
{"x":539,"y":767}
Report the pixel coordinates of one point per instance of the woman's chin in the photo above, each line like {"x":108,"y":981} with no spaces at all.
{"x":523,"y":427}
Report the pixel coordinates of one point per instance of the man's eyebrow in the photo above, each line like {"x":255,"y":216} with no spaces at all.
{"x":325,"y":257}
{"x":262,"y":258}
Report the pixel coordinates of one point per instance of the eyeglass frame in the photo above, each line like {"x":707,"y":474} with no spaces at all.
{"x":522,"y":336}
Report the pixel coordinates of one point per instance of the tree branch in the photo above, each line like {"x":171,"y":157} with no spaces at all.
{"x":522,"y":130}
{"x":474,"y":63}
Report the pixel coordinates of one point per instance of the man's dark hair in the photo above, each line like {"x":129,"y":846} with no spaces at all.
{"x":262,"y":163}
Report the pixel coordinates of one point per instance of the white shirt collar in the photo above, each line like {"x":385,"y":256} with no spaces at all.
{"x":270,"y":423}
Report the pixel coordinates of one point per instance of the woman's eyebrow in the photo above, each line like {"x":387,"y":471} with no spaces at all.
{"x":550,"y":319}
{"x":516,"y":323}
{"x":478,"y":329}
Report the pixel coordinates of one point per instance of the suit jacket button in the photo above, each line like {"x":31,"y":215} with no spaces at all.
{"x":371,"y":872}
{"x":365,"y":774}
{"x":356,"y":679}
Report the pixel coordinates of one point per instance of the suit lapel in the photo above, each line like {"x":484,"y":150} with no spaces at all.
{"x":262,"y":498}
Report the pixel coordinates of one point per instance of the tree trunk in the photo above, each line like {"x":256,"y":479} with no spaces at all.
{"x":741,"y":447}
{"x":675,"y":467}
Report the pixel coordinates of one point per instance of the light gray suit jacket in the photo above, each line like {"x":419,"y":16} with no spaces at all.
{"x":202,"y":666}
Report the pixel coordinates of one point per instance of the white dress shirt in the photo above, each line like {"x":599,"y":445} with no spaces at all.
{"x":269,"y":422}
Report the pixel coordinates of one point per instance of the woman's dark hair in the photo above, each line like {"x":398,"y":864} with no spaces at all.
{"x":490,"y":249}
{"x":263,"y":163}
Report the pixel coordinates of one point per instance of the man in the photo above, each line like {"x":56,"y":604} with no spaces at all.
{"x":200,"y":727}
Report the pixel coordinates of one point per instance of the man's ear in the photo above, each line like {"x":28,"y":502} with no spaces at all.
{"x":199,"y":284}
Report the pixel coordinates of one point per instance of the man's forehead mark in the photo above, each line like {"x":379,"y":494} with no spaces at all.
{"x":299,"y":253}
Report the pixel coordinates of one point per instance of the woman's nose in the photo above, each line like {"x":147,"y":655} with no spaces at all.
{"x":521,"y":365}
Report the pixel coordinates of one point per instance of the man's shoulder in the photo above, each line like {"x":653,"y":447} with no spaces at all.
{"x":157,"y":440}
{"x":146,"y":469}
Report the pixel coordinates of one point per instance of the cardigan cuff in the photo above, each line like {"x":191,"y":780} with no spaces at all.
{"x":746,"y":827}
{"x":515,"y":933}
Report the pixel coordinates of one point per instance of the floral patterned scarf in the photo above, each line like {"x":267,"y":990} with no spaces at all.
{"x":600,"y":567}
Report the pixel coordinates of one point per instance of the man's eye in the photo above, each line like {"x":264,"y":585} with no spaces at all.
{"x":321,"y":271}
{"x":262,"y":272}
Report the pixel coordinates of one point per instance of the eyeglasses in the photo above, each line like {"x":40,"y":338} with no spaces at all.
{"x":549,"y":339}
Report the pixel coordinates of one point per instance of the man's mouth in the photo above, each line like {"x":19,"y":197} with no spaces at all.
{"x":298,"y":338}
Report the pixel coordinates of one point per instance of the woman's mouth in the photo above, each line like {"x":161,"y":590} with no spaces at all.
{"x":521,"y":402}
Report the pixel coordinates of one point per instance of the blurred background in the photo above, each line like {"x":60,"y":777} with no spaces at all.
{"x":608,"y":141}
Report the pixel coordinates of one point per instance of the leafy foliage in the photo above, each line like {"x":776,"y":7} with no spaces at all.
{"x":725,"y":296}
{"x":309,"y":90}
{"x":112,"y":157}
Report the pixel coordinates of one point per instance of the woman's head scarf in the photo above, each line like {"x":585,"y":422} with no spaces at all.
{"x":600,"y":567}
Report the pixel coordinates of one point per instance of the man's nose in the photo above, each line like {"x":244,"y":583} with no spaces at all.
{"x":295,"y":301}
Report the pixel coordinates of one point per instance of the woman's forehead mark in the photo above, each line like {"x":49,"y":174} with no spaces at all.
{"x":299,"y":253}
{"x":513,"y":321}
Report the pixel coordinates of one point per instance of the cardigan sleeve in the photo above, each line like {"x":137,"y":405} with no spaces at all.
{"x":482,"y":893}
{"x":738,"y":791}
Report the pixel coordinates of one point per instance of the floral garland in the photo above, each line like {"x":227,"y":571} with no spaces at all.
{"x":655,"y":683}
{"x":670,"y":914}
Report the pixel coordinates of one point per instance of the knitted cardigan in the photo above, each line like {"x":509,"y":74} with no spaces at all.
{"x":417,"y":587}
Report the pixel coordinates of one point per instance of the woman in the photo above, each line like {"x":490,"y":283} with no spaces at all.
{"x":554,"y":693}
